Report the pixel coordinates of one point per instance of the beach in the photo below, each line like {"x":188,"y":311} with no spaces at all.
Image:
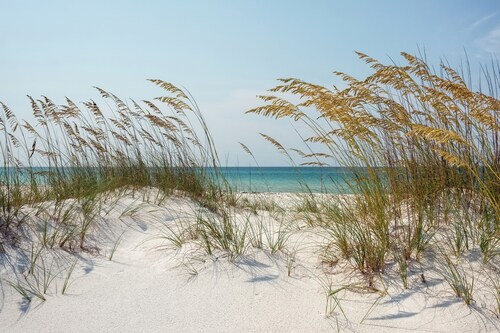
{"x":150,"y":285}
{"x":250,"y":166}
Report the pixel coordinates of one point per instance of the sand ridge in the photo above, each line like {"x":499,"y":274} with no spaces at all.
{"x":150,"y":286}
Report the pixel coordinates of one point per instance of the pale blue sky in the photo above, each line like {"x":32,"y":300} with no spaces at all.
{"x":224,"y":52}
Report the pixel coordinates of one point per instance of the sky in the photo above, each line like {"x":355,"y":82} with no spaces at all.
{"x":224,"y":52}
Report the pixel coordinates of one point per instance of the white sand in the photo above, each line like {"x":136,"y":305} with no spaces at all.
{"x":150,"y":288}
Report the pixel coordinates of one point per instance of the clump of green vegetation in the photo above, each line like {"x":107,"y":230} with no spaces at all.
{"x":424,"y":152}
{"x":458,"y":279}
{"x":84,"y":155}
{"x":257,"y":202}
{"x":57,"y":173}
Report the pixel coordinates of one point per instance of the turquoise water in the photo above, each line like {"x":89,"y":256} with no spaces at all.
{"x":288,"y":179}
{"x":257,"y":179}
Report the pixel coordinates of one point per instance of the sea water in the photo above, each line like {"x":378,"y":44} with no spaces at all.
{"x":248,"y":179}
{"x":289,"y":179}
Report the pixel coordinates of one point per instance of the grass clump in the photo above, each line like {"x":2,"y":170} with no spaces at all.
{"x":58,"y":172}
{"x":458,"y":279}
{"x":221,"y":233}
{"x":85,"y":154}
{"x":423,"y":153}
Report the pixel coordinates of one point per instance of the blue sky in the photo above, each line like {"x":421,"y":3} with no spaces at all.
{"x":224,"y":52}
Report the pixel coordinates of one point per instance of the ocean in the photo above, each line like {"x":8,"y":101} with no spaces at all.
{"x":288,"y":179}
{"x":260,"y":179}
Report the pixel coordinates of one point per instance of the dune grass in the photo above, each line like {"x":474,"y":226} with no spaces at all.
{"x":424,"y":148}
{"x":60,"y":172}
{"x":423,"y":151}
{"x":84,"y":155}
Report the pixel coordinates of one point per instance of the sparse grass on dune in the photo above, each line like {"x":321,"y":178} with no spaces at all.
{"x":85,"y":154}
{"x":424,"y":149}
{"x":58,"y":172}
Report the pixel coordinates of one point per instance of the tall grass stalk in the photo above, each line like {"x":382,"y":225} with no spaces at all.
{"x":57,"y":171}
{"x":423,"y":148}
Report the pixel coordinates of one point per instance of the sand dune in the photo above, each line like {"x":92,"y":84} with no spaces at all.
{"x":149,"y":286}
